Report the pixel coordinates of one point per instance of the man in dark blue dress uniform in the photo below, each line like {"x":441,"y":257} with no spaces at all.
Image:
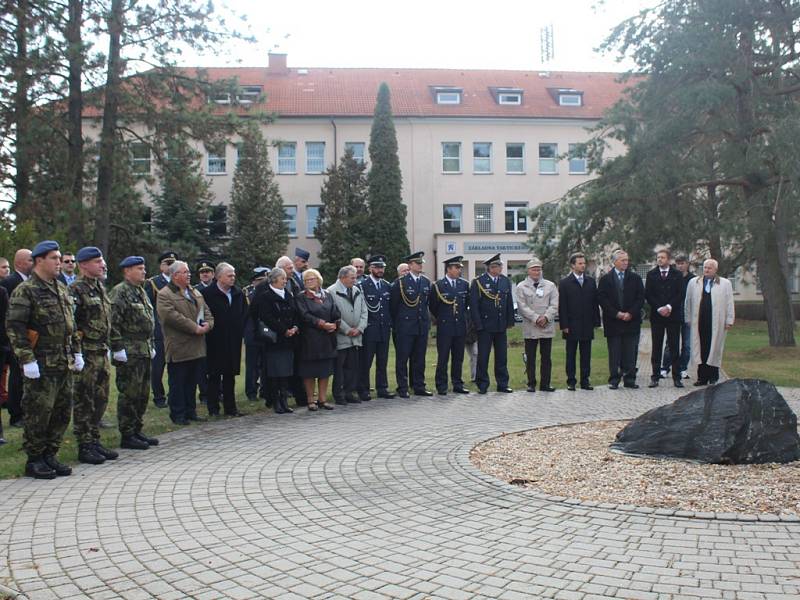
{"x":151,"y":288}
{"x":449,"y":304}
{"x":409,"y":308}
{"x":378,"y":334}
{"x":492,"y":311}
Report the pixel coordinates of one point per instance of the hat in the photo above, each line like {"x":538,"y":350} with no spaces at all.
{"x":259,"y":272}
{"x":131,"y":261}
{"x":416,"y":257}
{"x":534,"y":262}
{"x":495,"y":260}
{"x":88,"y":253}
{"x":205,"y":265}
{"x":300,"y":253}
{"x":454,"y":261}
{"x":168,"y":255}
{"x":681,"y":258}
{"x":377,"y":260}
{"x":43,"y":248}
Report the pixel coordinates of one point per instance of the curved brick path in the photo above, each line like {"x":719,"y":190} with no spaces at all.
{"x":372,"y":501}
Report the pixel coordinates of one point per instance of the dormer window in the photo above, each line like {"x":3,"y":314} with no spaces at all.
{"x":248,"y":94}
{"x":570,"y":98}
{"x":507,"y":96}
{"x":447,"y":95}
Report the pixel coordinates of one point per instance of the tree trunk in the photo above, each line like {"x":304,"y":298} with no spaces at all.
{"x":75,"y":126}
{"x":20,"y":69}
{"x":105,"y":167}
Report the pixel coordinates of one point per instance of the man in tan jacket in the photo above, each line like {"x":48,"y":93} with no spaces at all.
{"x":537,"y":302}
{"x":185,"y":320}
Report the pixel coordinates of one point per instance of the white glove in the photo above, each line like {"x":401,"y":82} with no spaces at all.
{"x":78,"y":361}
{"x":31,"y":370}
{"x":152,"y":353}
{"x":121,"y":356}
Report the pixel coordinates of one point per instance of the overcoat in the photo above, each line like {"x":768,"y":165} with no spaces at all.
{"x":534,"y":302}
{"x":659,"y":292}
{"x":224,"y":342}
{"x":722,"y":314}
{"x":578,"y":309}
{"x":353,"y":316}
{"x":315,"y":342}
{"x":279,"y":314}
{"x":179,"y":319}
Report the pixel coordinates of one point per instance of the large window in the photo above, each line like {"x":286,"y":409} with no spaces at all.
{"x":140,"y":158}
{"x":452,"y":218}
{"x":290,"y":218}
{"x":482,"y":157}
{"x":451,"y":157}
{"x":357,"y":148}
{"x":516,"y":216}
{"x":547,"y":158}
{"x":515,"y":158}
{"x":577,"y":164}
{"x":315,"y":157}
{"x":216,"y":163}
{"x":312,"y":216}
{"x":287,"y":161}
{"x":483,"y":218}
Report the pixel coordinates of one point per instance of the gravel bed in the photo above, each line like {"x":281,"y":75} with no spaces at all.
{"x":575,"y":461}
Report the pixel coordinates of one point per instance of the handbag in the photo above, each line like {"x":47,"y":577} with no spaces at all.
{"x":264,"y":334}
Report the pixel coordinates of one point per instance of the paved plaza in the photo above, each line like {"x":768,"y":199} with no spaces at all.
{"x":373,"y":501}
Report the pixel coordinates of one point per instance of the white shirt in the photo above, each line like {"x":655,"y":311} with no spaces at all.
{"x":227,"y":293}
{"x":166,"y":276}
{"x":451,"y":282}
{"x":281,"y":292}
{"x":24,"y":277}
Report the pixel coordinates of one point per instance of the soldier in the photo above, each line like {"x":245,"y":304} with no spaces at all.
{"x":154,"y":284}
{"x":205,"y":272}
{"x":93,"y":321}
{"x":448,"y":303}
{"x":378,"y":334}
{"x":253,"y":350}
{"x":492,"y":311}
{"x":42,"y":332}
{"x":132,"y":350}
{"x":409,"y":308}
{"x":300,"y":264}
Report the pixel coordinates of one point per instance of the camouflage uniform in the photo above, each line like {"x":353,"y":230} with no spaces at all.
{"x":132,"y":330}
{"x":45,"y":308}
{"x":93,"y":320}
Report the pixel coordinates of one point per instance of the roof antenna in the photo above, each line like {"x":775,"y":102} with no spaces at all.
{"x":546,"y":45}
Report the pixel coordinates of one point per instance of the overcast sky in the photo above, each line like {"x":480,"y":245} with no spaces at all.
{"x":429,"y":33}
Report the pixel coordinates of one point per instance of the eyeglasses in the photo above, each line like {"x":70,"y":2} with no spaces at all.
{"x":68,"y":261}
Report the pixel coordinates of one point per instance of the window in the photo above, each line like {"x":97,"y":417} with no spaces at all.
{"x":448,"y":97}
{"x":286,"y":157}
{"x":517,"y":216}
{"x":315,"y":157}
{"x":218,"y":221}
{"x":451,"y":157}
{"x":794,"y":276}
{"x":290,"y":218}
{"x":357,"y":148}
{"x":481,"y":157}
{"x":312,"y":216}
{"x":221,"y":98}
{"x":577,"y":165}
{"x":547,"y":158}
{"x":509,"y":97}
{"x":248,"y":94}
{"x":452,"y":218}
{"x":515,"y":158}
{"x":147,"y":218}
{"x":216,"y":163}
{"x":140,"y":158}
{"x":570,"y":99}
{"x":483,"y":218}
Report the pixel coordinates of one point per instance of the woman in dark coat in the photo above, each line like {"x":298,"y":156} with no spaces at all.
{"x":319,"y":320}
{"x":274,"y":306}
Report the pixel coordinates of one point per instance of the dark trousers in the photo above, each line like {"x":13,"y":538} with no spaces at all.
{"x":447,"y":346}
{"x":253,"y":356}
{"x":345,"y":376}
{"x":157,"y":372}
{"x":707,"y":373}
{"x":227,"y":383}
{"x":486,"y":341}
{"x":14,"y":404}
{"x":622,"y":350}
{"x":686,"y":349}
{"x":410,"y":348}
{"x":673,"y":331}
{"x":379,"y":352}
{"x":585,"y":347}
{"x":182,"y":378}
{"x":202,"y":382}
{"x":277,"y":391}
{"x":545,"y":346}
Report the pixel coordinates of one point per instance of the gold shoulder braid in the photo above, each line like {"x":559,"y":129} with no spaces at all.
{"x":406,"y":301}
{"x":493,"y":297}
{"x":445,"y":300}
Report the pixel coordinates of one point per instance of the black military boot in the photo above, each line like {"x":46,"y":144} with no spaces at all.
{"x":150,"y":441}
{"x":133,"y":443}
{"x":38,"y":469}
{"x":105,"y":452}
{"x":87,"y":454}
{"x":61,"y":469}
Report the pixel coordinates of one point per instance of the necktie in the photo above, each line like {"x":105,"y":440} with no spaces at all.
{"x":536,"y":284}
{"x":350,"y":294}
{"x":580,"y":281}
{"x":453,"y":283}
{"x":663,"y":274}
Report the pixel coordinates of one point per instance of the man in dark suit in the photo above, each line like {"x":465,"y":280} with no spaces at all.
{"x":578,"y":315}
{"x":23,"y":265}
{"x":205,"y":273}
{"x":449,"y":303}
{"x":620,"y":294}
{"x":300,"y":264}
{"x":377,"y":336}
{"x":491,"y":309}
{"x":67,"y":273}
{"x":684,"y":268}
{"x":296,"y":387}
{"x":151,"y":287}
{"x":664,"y":293}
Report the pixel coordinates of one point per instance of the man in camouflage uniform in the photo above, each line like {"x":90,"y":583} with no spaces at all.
{"x":93,"y":320}
{"x":42,"y":331}
{"x":132,"y":350}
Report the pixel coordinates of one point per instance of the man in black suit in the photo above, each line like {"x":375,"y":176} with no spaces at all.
{"x":664,"y":294}
{"x":578,"y":315}
{"x":620,"y":294}
{"x":67,"y":274}
{"x":23,"y":265}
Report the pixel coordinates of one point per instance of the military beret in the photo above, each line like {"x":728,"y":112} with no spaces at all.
{"x":534,"y":262}
{"x":131,"y":261}
{"x":378,"y":260}
{"x":454,"y":261}
{"x":300,"y":253}
{"x":416,"y":257}
{"x":88,"y":253}
{"x":495,"y":260}
{"x":205,"y":265}
{"x":43,"y":248}
{"x":168,"y":255}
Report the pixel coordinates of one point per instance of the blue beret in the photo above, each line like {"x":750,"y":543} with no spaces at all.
{"x":43,"y":248}
{"x":88,"y":253}
{"x":304,"y":254}
{"x":131,"y":261}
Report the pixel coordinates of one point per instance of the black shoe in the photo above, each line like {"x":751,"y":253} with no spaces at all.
{"x":353,"y":400}
{"x":235,"y":413}
{"x":196,"y":418}
{"x":441,"y":392}
{"x":547,"y":388}
{"x":252,"y":398}
{"x":505,"y":390}
{"x":387,"y":395}
{"x":611,"y":386}
{"x":571,"y":387}
{"x":150,"y":441}
{"x":632,"y":386}
{"x":105,"y":452}
{"x":653,"y":382}
{"x":213,"y":414}
{"x":587,"y":386}
{"x":88,"y":455}
{"x":61,"y":469}
{"x":481,"y":392}
{"x":461,"y":390}
{"x":38,"y":469}
{"x":160,"y":402}
{"x":423,"y":393}
{"x":532,"y":389}
{"x":403,"y":395}
{"x":366,"y":398}
{"x":677,"y":383}
{"x":181,"y":422}
{"x":134,"y":443}
{"x":278,"y":410}
{"x":700,"y":383}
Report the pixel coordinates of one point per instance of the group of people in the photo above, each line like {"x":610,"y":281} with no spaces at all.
{"x":65,"y":329}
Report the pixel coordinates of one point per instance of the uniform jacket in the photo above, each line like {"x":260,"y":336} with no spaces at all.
{"x":490,"y":304}
{"x":450,"y":307}
{"x":179,"y":319}
{"x":224,"y":342}
{"x":408,"y":301}
{"x":722,"y":314}
{"x":378,"y":302}
{"x":132,"y":319}
{"x":578,"y":309}
{"x":249,"y":326}
{"x":46,"y":309}
{"x":534,"y":302}
{"x":632,"y":302}
{"x":279,"y":314}
{"x":315,"y":342}
{"x":92,"y":313}
{"x":298,"y":279}
{"x":152,"y":286}
{"x":354,"y":316}
{"x":660,"y":292}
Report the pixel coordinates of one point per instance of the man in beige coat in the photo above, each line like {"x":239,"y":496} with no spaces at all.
{"x":185,"y":320}
{"x":537,"y":302}
{"x":350,"y":301}
{"x":709,"y":311}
